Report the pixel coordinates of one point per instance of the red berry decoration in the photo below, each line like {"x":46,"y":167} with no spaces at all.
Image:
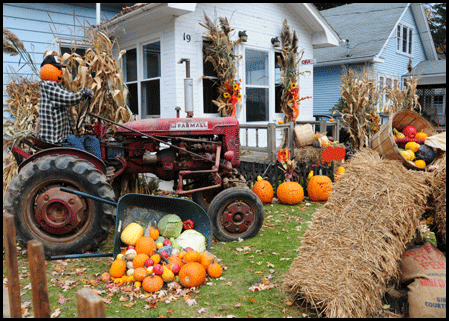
{"x":409,"y":131}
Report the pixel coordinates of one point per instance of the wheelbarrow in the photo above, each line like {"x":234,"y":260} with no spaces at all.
{"x":146,"y":209}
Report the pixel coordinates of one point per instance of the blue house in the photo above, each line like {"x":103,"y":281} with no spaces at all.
{"x":383,"y":36}
{"x":37,"y":25}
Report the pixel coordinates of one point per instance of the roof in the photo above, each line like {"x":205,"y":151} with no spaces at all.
{"x":429,"y":68}
{"x":323,"y":34}
{"x":366,"y":25}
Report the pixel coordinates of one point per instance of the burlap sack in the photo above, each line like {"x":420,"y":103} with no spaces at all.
{"x":423,"y":268}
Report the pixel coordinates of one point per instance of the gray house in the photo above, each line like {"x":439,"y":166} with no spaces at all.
{"x":383,"y":36}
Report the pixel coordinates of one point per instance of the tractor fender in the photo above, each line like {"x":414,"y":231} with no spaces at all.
{"x":98,"y":163}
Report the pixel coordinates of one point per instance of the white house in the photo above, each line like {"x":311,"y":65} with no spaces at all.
{"x":158,"y":35}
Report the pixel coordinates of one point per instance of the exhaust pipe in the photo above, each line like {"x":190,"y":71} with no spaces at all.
{"x":188,"y":89}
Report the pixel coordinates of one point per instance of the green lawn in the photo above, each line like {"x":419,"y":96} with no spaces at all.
{"x":249,"y":287}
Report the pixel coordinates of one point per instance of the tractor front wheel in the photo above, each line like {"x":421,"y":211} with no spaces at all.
{"x":64,"y":223}
{"x":235,"y":213}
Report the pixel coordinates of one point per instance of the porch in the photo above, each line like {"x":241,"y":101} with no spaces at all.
{"x":259,"y":143}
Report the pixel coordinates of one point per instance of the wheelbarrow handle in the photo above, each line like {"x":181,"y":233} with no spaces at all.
{"x":68,"y":190}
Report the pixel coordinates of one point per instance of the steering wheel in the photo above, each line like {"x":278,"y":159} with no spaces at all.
{"x":82,"y":114}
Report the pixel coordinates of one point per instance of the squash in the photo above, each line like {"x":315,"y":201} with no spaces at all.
{"x":413,"y":146}
{"x":408,"y":155}
{"x":192,"y":274}
{"x":421,"y":135}
{"x":118,"y":268}
{"x":425,"y":153}
{"x":420,"y":163}
{"x":283,"y":154}
{"x":152,"y":283}
{"x":263,"y":190}
{"x":167,"y":274}
{"x":290,"y":193}
{"x":131,"y":234}
{"x":409,"y":131}
{"x":319,"y":187}
{"x":399,"y":135}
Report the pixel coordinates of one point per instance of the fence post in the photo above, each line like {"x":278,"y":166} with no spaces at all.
{"x":89,"y":304}
{"x":290,"y":141}
{"x":36,"y":261}
{"x":12,"y":266}
{"x":323,"y":127}
{"x":271,"y":141}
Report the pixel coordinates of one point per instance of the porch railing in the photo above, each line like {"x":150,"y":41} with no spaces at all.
{"x":270,"y":130}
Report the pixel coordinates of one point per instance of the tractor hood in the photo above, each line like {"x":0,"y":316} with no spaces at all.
{"x":181,"y":126}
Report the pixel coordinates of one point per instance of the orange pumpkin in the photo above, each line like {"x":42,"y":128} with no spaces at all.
{"x":290,"y":193}
{"x":145,"y":245}
{"x":192,"y":274}
{"x":118,"y":268}
{"x":283,"y":154}
{"x":50,"y":72}
{"x":421,"y":135}
{"x":264,"y":190}
{"x":319,"y":188}
{"x":214,"y":270}
{"x":152,"y":283}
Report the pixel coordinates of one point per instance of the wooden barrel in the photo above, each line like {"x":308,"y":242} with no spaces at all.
{"x":383,"y":141}
{"x":304,"y":135}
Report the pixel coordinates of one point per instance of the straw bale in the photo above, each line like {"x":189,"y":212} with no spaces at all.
{"x":439,"y":196}
{"x":353,"y":246}
{"x":311,"y":154}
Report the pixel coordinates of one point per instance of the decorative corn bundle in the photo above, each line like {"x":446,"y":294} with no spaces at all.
{"x":219,"y":52}
{"x":362,"y":94}
{"x":354,"y":244}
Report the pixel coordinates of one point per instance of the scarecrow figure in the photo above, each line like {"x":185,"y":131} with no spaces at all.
{"x":54,"y":116}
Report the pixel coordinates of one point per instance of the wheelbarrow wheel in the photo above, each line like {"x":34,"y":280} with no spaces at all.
{"x":64,"y":223}
{"x":236,"y":213}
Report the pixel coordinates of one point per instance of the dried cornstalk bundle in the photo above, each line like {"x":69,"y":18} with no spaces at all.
{"x":354,"y":244}
{"x":362,"y":94}
{"x":404,"y":97}
{"x":23,"y":105}
{"x":218,"y":51}
{"x":288,"y":61}
{"x":99,"y":71}
{"x":438,"y":198}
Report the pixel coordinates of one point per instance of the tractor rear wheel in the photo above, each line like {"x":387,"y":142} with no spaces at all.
{"x":235,"y":213}
{"x":64,"y":223}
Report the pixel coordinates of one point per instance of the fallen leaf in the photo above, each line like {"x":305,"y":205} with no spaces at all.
{"x":229,"y":284}
{"x":56,"y":313}
{"x":202,"y":310}
{"x":252,"y":300}
{"x":237,"y":305}
{"x":191,"y":302}
{"x":289,"y":303}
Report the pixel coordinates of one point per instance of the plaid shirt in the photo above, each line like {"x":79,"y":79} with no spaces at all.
{"x":54,"y":116}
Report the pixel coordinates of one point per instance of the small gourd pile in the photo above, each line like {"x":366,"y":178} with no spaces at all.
{"x":411,"y":146}
{"x":161,"y":255}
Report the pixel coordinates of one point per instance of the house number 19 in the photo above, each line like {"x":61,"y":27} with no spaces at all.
{"x":186,"y":37}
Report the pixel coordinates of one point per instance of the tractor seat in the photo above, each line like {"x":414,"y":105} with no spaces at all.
{"x":40,"y":144}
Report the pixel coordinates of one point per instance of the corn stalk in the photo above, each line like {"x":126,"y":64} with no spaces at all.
{"x":219,"y":53}
{"x":362,"y":94}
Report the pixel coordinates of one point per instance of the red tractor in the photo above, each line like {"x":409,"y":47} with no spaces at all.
{"x":201,"y":156}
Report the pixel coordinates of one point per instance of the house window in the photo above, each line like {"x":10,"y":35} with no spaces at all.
{"x":386,"y":82}
{"x":210,"y":87}
{"x":130,"y":75}
{"x":143,"y":83}
{"x":150,"y":86}
{"x":404,"y":39}
{"x":257,"y":85}
{"x":79,"y":51}
{"x":278,"y":86}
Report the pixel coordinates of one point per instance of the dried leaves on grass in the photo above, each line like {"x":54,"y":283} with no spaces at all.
{"x":353,"y":246}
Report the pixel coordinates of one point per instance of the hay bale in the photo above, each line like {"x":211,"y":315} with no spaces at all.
{"x":354,"y":244}
{"x":312,"y":154}
{"x":439,"y":196}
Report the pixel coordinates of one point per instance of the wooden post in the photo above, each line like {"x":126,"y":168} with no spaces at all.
{"x":271,"y":142}
{"x":36,"y":260}
{"x":89,"y":304}
{"x":12,"y":266}
{"x":323,"y":126}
